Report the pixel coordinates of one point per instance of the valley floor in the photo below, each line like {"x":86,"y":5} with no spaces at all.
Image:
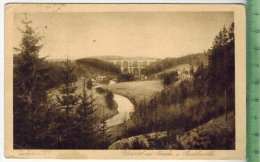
{"x":137,"y":89}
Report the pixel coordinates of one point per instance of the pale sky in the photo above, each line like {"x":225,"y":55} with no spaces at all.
{"x":152,"y":34}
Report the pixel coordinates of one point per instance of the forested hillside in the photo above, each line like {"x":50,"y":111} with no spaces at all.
{"x":96,"y":66}
{"x":46,"y":120}
{"x":87,"y":67}
{"x":162,"y":65}
{"x":193,"y":102}
{"x":113,"y":57}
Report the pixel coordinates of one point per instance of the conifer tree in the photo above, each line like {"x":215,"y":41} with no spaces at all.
{"x":86,"y":122}
{"x":102,"y":141}
{"x":67,"y":102}
{"x":29,"y":87}
{"x":221,"y":69}
{"x":67,"y":99}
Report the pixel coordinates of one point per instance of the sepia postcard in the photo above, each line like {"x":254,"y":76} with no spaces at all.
{"x":125,"y":81}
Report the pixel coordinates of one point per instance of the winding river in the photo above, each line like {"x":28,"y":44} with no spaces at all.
{"x":125,"y":108}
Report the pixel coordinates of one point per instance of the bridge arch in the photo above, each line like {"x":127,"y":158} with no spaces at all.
{"x":125,"y":64}
{"x":144,"y":63}
{"x":136,"y":71}
{"x":118,"y":63}
{"x":126,"y":70}
{"x":135,"y":64}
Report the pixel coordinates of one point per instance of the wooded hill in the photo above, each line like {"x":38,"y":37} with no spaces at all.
{"x":112,"y":57}
{"x":90,"y":66}
{"x":193,"y":103}
{"x":86,"y":67}
{"x":162,"y":65}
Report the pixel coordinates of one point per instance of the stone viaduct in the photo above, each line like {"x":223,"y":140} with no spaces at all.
{"x":132,"y":66}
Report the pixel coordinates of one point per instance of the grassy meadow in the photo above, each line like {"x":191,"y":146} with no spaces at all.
{"x":137,"y":89}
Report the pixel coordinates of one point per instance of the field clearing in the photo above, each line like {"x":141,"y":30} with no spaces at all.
{"x":137,"y":89}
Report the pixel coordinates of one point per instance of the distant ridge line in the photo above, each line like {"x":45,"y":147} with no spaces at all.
{"x":123,"y":58}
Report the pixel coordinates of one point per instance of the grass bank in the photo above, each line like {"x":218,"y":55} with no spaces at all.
{"x":137,"y":89}
{"x":217,"y":134}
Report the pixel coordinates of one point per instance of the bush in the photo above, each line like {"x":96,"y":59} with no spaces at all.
{"x":109,"y":98}
{"x":105,"y":81}
{"x":125,"y":77}
{"x":169,"y":78}
{"x":101,"y":90}
{"x":89,"y":84}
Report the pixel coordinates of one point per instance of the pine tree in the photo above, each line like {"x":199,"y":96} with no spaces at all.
{"x":200,"y":88}
{"x":29,"y":87}
{"x":67,"y":102}
{"x":230,"y":78}
{"x":84,"y":123}
{"x":192,"y":71}
{"x":102,"y":140}
{"x":221,"y":69}
{"x":68,"y":99}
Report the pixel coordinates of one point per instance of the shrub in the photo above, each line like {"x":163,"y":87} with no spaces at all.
{"x":89,"y":84}
{"x":125,"y":77}
{"x":109,"y":98}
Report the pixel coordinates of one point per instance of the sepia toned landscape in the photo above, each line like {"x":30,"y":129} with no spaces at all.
{"x":116,"y":85}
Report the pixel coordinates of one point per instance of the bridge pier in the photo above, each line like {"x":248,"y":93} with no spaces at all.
{"x":129,"y":66}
